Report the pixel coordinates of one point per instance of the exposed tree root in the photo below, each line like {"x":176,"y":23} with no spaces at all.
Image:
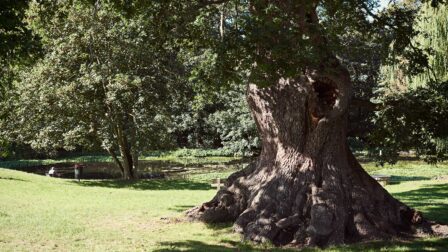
{"x":295,"y":210}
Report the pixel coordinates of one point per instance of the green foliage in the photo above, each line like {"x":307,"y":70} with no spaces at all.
{"x":19,"y":47}
{"x":413,"y":121}
{"x":17,"y":43}
{"x":232,"y":41}
{"x":221,"y":119}
{"x":432,"y":28}
{"x":184,"y":152}
{"x":234,"y":123}
{"x":111,"y":68}
{"x":191,"y":128}
{"x":105,"y":80}
{"x":412,"y":105}
{"x":4,"y":149}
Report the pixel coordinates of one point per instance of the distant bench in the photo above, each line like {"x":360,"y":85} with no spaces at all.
{"x":382,"y":179}
{"x":218,"y":183}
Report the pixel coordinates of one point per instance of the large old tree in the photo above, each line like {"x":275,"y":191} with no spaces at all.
{"x":306,"y":187}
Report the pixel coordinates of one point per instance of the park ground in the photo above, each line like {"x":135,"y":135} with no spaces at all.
{"x":39,"y":213}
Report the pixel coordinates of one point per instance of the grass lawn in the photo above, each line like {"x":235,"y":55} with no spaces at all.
{"x":39,"y":213}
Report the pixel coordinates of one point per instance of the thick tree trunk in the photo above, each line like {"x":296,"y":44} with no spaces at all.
{"x":306,"y":188}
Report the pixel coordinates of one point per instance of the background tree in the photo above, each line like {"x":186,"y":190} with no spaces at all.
{"x":234,"y":123}
{"x":18,"y":48}
{"x":104,"y":80}
{"x":411,"y":102}
{"x":217,"y":120}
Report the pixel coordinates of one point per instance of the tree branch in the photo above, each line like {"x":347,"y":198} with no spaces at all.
{"x":360,"y":103}
{"x":204,"y":3}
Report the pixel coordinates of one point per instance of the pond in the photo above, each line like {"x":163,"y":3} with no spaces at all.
{"x":176,"y":168}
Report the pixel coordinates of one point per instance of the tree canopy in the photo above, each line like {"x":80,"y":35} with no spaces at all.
{"x":412,"y":105}
{"x":104,"y":80}
{"x":107,"y":55}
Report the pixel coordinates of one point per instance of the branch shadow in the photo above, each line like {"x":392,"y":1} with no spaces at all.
{"x":190,"y":245}
{"x":228,"y":245}
{"x":225,"y":246}
{"x":181,"y":208}
{"x":153,"y":184}
{"x":14,"y":179}
{"x":398,"y":245}
{"x":429,"y":199}
{"x":394,"y":180}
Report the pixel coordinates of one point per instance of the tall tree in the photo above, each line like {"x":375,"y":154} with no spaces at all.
{"x":18,"y":48}
{"x":432,"y":38}
{"x":17,"y":43}
{"x":105,"y":79}
{"x":415,"y":124}
{"x":234,"y":123}
{"x":306,"y":188}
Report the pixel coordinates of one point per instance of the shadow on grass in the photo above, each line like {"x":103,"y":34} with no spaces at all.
{"x":190,"y":245}
{"x":226,"y":245}
{"x":432,"y":244}
{"x":394,"y":180}
{"x":220,"y":226}
{"x":397,"y":179}
{"x":431,"y":199}
{"x":367,"y":158}
{"x":153,"y":184}
{"x":181,"y":208}
{"x":15,"y":179}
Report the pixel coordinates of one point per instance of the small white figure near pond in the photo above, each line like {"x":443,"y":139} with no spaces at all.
{"x":51,"y":171}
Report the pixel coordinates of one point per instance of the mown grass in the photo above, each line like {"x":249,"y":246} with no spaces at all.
{"x":40,"y":214}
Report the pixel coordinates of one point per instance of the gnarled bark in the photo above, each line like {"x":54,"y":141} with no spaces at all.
{"x":306,"y":188}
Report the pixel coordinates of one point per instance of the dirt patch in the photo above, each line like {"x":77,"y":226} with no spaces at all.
{"x":440,"y":230}
{"x":442,"y":178}
{"x":172,"y":220}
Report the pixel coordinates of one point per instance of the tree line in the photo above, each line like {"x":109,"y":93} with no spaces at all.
{"x":98,"y":76}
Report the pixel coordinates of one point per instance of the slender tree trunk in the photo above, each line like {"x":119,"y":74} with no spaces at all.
{"x":135,"y":163}
{"x":134,"y":148}
{"x":306,"y":188}
{"x":126,"y":155}
{"x":116,"y":160}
